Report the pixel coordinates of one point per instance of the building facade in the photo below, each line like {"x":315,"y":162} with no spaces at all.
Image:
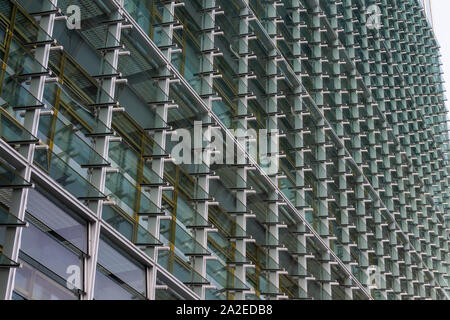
{"x":426,"y":4}
{"x":222,"y":149}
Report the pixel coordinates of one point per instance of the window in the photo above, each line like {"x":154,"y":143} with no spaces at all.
{"x":33,"y":284}
{"x":58,"y":218}
{"x":52,"y":250}
{"x":118,"y":276}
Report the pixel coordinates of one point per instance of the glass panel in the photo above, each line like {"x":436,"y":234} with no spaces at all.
{"x":7,"y":219}
{"x":9,"y":178}
{"x":109,"y":287}
{"x":21,"y":63}
{"x":222,"y":276}
{"x":31,"y":33}
{"x":145,"y":238}
{"x":6,"y":262}
{"x":42,"y":247}
{"x":171,"y":231}
{"x":32,"y":284}
{"x":15,"y":94}
{"x":128,"y":197}
{"x":121,"y":266}
{"x":66,"y":176}
{"x":12,"y":131}
{"x":165,"y":294}
{"x":66,"y":143}
{"x":34,"y":7}
{"x":180,"y":269}
{"x":71,"y":101}
{"x":58,"y":217}
{"x":118,"y":221}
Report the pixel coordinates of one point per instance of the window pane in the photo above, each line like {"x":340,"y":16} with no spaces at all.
{"x":119,"y":264}
{"x":56,"y":217}
{"x":108,"y":289}
{"x":33,"y":284}
{"x":53,"y":255}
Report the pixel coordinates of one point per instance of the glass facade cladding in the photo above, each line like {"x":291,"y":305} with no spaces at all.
{"x":222,"y":149}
